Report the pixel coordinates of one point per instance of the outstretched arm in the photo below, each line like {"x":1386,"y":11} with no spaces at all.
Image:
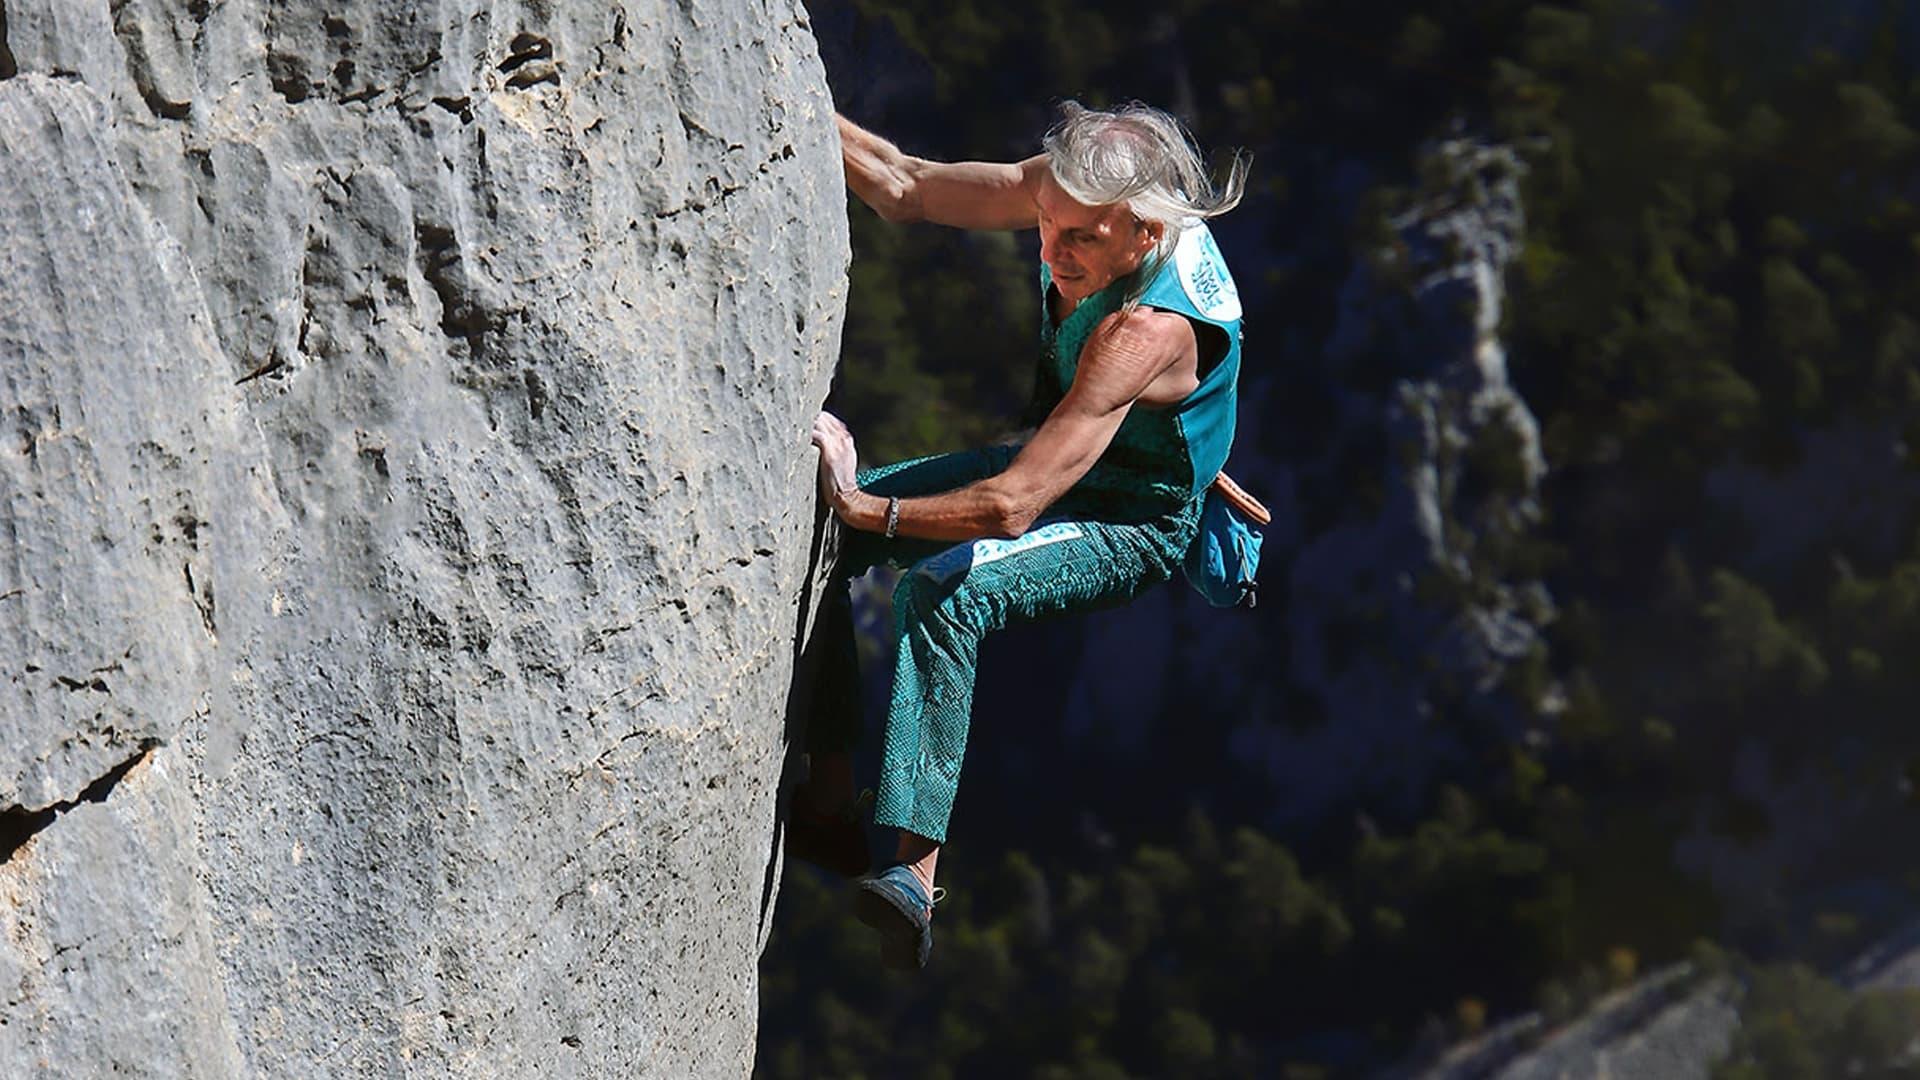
{"x":1122,"y":357}
{"x":967,"y":194}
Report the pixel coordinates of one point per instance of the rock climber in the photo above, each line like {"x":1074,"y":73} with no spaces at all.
{"x":1141,"y":353}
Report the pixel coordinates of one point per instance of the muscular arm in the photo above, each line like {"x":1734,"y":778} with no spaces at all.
{"x":1123,"y":356}
{"x":967,"y":194}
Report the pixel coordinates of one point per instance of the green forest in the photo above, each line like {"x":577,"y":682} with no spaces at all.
{"x":1716,"y":305}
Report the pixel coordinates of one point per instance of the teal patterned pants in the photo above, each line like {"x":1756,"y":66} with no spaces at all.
{"x":1092,"y":550}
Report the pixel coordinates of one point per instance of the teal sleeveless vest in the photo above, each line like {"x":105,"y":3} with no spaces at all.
{"x":1162,"y":458}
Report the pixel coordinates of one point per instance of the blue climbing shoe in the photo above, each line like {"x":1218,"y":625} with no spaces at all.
{"x":893,"y":903}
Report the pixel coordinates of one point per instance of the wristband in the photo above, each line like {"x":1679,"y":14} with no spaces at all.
{"x":893,"y":515}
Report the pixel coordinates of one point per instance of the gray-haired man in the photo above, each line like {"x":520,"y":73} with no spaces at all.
{"x":1142,"y":352}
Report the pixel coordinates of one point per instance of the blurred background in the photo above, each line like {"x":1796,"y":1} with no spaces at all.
{"x":1578,"y":714}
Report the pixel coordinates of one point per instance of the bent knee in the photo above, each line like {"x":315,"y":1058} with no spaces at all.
{"x":933,"y":593}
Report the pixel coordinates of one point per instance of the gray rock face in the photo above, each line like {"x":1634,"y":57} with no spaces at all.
{"x":1668,"y":1026}
{"x":411,"y":528}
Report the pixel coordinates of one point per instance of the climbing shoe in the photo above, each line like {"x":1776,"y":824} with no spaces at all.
{"x":892,"y":903}
{"x":832,"y":841}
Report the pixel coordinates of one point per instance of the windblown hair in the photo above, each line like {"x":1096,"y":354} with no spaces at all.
{"x":1144,"y":159}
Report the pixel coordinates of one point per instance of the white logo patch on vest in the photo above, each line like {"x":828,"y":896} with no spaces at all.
{"x":1203,"y":274}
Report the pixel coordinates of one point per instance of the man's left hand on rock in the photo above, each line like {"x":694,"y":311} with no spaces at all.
{"x":839,"y":461}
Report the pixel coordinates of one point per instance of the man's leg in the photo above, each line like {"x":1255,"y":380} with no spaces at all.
{"x":824,"y":823}
{"x":834,"y":721}
{"x":942,"y":608}
{"x":946,"y":604}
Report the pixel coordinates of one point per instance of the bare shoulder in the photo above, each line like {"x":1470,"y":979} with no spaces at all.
{"x":1143,"y":336}
{"x":1031,"y":172}
{"x":1129,"y":353}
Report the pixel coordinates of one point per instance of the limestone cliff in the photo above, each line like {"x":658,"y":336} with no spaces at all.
{"x":410,"y":528}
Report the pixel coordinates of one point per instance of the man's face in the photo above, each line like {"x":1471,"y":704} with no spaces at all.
{"x":1088,"y":247}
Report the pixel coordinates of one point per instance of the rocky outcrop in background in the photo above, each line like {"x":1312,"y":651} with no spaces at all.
{"x":1675,"y":1024}
{"x":1409,"y":615}
{"x":410,"y":528}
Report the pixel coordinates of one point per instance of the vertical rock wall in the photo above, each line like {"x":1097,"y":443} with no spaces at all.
{"x":410,"y":527}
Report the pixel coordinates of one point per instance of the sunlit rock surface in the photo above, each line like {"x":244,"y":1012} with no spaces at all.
{"x":410,"y":528}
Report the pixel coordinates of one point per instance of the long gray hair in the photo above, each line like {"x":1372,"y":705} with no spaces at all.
{"x":1142,"y":158}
